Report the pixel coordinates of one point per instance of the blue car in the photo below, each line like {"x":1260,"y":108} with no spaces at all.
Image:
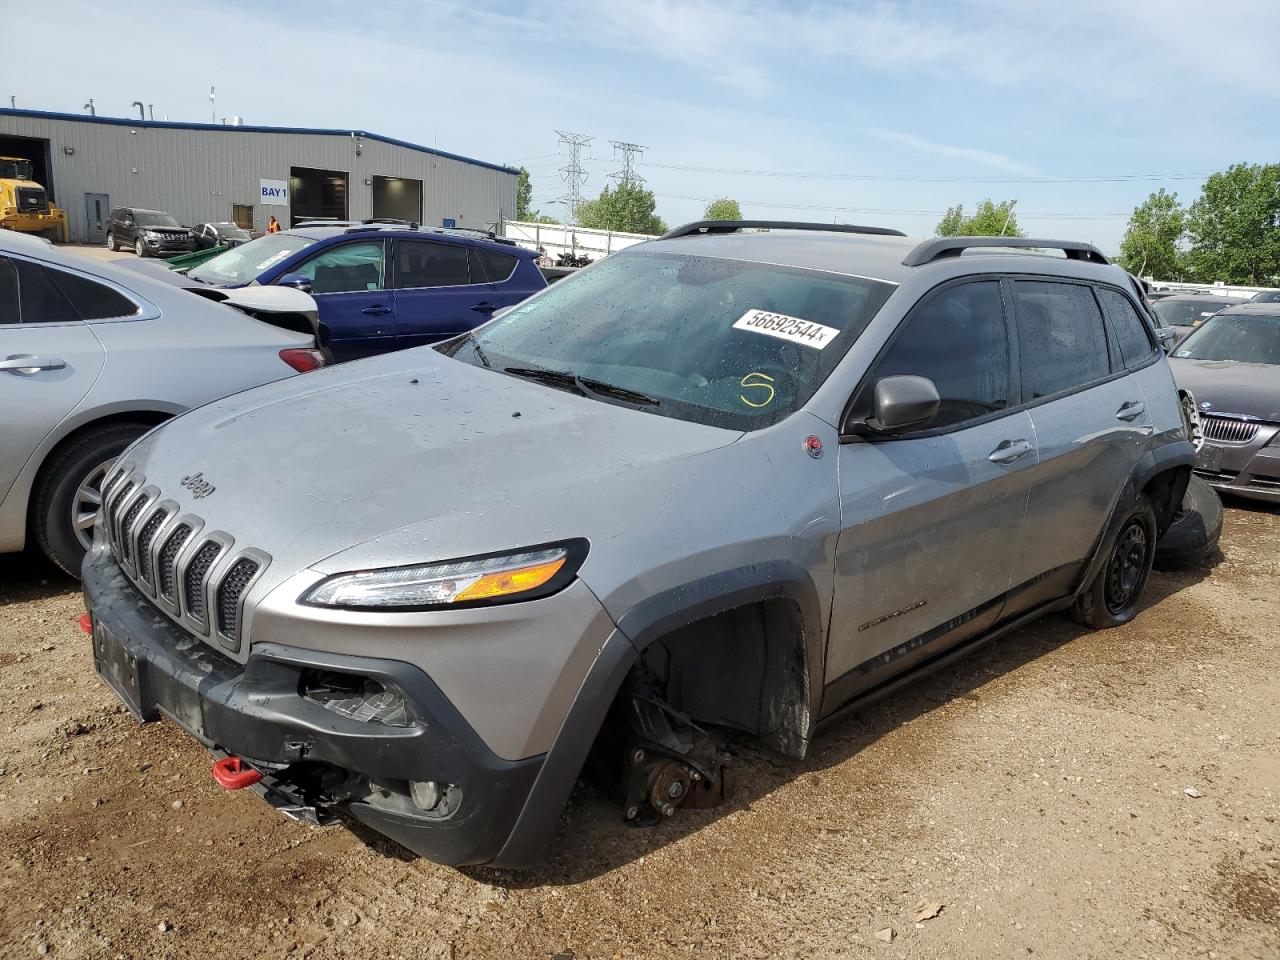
{"x":385,"y":287}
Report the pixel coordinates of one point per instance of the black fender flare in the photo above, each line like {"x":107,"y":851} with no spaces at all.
{"x":640,"y":626}
{"x":1177,"y":457}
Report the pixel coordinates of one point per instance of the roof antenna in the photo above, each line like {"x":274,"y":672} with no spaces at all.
{"x":89,"y":106}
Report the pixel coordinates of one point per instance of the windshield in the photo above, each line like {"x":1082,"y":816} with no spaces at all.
{"x":229,"y":230}
{"x":1247,"y":338}
{"x":1185,"y":313}
{"x":15,"y":170}
{"x":154,"y":218}
{"x":244,"y":263}
{"x":721,"y":342}
{"x":1267,"y":296}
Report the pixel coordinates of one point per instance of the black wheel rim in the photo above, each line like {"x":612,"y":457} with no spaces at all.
{"x":1127,"y":567}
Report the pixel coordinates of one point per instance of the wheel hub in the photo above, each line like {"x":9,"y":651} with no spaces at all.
{"x":1127,"y":566}
{"x":87,"y":502}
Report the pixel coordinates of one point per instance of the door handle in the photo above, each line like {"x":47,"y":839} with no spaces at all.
{"x":1009,"y":451}
{"x":1131,"y":410}
{"x":484,"y":306}
{"x":377,"y":310}
{"x":26,"y":363}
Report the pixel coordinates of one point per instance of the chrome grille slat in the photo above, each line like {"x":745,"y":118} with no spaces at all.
{"x":113,"y":510}
{"x":229,"y":592}
{"x":1228,"y":429}
{"x":145,"y":536}
{"x":166,"y":574}
{"x":130,"y":518}
{"x":193,"y":580}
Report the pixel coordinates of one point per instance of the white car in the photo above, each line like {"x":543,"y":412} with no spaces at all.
{"x":93,"y":356}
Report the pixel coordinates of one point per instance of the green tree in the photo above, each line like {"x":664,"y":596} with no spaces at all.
{"x":722,"y":209}
{"x":524,"y":201}
{"x":629,"y":209}
{"x":1234,"y":227}
{"x":524,"y":195}
{"x":989,"y":220}
{"x":1150,"y":244}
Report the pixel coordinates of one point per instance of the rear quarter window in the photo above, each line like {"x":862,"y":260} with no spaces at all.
{"x":92,"y":300}
{"x":496,"y":267}
{"x":1062,"y":342}
{"x":1130,"y":332}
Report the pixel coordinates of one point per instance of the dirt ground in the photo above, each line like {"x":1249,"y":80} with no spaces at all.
{"x":1038,"y":794}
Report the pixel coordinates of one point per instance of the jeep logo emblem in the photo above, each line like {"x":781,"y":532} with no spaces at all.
{"x":198,"y":485}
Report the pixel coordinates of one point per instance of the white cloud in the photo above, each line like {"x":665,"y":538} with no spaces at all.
{"x":928,"y":147}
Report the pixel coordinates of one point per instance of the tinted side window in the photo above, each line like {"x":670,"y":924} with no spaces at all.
{"x":92,"y":300}
{"x":1131,"y":333}
{"x":39,"y":300}
{"x":426,"y":264}
{"x":496,"y":266}
{"x":1061,"y":339}
{"x":958,"y":339}
{"x":8,"y":291}
{"x":346,"y":268}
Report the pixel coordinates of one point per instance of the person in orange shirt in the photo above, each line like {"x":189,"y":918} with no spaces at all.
{"x":273,"y":225}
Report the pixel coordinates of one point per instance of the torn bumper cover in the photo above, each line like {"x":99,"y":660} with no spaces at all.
{"x":260,"y":711}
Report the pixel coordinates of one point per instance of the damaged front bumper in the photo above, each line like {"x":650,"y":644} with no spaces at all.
{"x":425,"y":778}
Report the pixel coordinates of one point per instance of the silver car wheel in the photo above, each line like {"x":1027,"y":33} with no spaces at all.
{"x":87,"y":502}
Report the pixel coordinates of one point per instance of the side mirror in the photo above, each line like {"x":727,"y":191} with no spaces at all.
{"x":1167,"y":337}
{"x":902,"y":402}
{"x":298,"y":281}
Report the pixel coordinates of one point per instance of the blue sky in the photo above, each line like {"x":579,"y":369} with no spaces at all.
{"x":869,"y":112}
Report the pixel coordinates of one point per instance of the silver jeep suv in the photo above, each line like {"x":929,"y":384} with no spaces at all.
{"x":724,"y":479}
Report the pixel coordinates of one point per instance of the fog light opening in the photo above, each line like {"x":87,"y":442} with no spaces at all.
{"x":425,"y":794}
{"x":357,"y":697}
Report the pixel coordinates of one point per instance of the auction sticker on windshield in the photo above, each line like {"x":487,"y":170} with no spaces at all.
{"x":784,"y":327}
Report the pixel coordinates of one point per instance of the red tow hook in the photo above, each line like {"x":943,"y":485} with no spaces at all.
{"x":86,"y":623}
{"x":231,"y":774}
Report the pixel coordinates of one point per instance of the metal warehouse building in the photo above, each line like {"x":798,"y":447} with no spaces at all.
{"x":202,"y":172}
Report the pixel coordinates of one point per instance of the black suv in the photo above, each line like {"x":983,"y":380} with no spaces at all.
{"x":151,"y":233}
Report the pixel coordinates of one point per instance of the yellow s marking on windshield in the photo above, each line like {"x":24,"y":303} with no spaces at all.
{"x":757,"y":381}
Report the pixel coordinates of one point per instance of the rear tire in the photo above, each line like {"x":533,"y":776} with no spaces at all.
{"x":1112,"y":598}
{"x":65,"y":491}
{"x":1193,"y":535}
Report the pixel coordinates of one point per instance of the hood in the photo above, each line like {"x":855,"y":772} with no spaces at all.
{"x":1229,"y":386}
{"x":467,"y":459}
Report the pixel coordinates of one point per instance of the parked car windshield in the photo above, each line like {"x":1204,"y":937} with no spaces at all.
{"x":1246,"y":338}
{"x":244,"y":263}
{"x":230,"y":230}
{"x":1267,"y":296}
{"x":722,"y":342}
{"x":154,"y":218}
{"x":1184,"y":313}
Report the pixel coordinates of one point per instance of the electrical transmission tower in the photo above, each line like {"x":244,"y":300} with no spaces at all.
{"x":574,"y":175}
{"x":630,"y":152}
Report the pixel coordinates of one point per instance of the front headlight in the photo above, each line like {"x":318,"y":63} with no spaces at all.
{"x":504,"y":578}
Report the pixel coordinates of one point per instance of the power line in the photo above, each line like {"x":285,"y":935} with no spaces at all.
{"x":892,"y":178}
{"x":574,"y":175}
{"x":890,"y":210}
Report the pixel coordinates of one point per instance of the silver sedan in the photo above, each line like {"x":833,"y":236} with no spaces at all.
{"x":93,"y":356}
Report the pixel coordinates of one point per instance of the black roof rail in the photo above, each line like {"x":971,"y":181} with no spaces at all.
{"x":941,"y":248}
{"x":730,"y":226}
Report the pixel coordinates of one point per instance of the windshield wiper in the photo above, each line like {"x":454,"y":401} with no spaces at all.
{"x":479,"y":350}
{"x":583,"y":386}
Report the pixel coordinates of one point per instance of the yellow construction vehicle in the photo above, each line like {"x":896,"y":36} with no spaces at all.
{"x":24,"y":204}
